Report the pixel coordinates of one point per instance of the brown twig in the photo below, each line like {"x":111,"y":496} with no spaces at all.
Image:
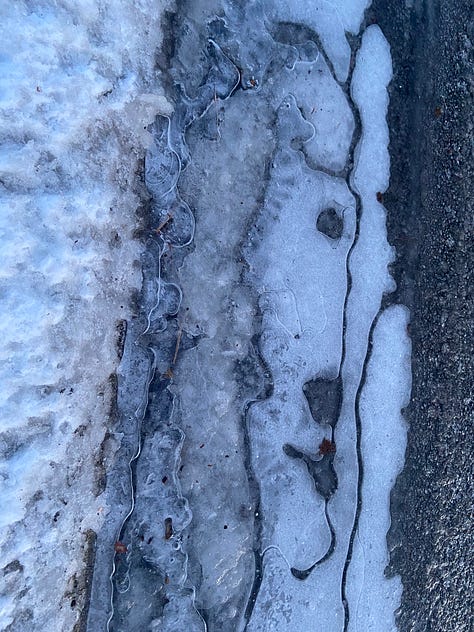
{"x":163,"y":223}
{"x":178,"y":341}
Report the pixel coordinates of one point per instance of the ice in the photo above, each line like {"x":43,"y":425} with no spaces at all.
{"x":261,"y":365}
{"x":329,"y":20}
{"x":213,"y":479}
{"x":162,"y":163}
{"x":286,"y":263}
{"x":242,"y":23}
{"x":324,"y":106}
{"x":372,"y":597}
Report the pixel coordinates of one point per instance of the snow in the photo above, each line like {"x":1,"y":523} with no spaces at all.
{"x":77,"y":92}
{"x":372,"y":597}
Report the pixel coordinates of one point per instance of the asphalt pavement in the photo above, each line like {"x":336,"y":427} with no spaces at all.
{"x":431,"y":223}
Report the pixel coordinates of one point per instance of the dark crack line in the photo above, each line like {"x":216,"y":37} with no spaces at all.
{"x":355,"y":43}
{"x":304,"y":574}
{"x":346,"y":174}
{"x":255,"y":492}
{"x":356,"y":138}
{"x":266,"y":394}
{"x":342,"y":173}
{"x":360,"y":472}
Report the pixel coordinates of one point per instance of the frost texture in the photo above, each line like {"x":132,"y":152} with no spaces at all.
{"x":240,"y":387}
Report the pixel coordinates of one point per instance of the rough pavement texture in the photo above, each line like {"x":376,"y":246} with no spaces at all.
{"x":431,"y":215}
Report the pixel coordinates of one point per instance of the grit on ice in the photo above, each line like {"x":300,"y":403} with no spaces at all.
{"x":201,"y":394}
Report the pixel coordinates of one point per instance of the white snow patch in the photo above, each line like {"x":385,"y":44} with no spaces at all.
{"x":76,"y":82}
{"x":372,"y":597}
{"x":372,"y":74}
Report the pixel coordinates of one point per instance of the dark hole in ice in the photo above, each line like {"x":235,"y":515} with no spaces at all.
{"x":168,"y":528}
{"x":12,"y":567}
{"x":292,"y":452}
{"x":330,"y":223}
{"x":324,"y":398}
{"x":321,"y":470}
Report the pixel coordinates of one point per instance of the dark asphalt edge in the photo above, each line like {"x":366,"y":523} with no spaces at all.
{"x":430,"y":222}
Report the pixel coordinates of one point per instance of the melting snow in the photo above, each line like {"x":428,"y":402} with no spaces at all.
{"x":77,"y":90}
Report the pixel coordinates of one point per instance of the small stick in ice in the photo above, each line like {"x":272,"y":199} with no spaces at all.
{"x":178,"y":341}
{"x":163,"y":223}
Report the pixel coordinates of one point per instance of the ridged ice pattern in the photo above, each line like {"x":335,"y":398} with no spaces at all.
{"x":240,"y":482}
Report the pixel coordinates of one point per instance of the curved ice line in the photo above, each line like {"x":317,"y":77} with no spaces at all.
{"x":214,"y":43}
{"x":292,"y":67}
{"x":180,"y":292}
{"x":349,"y":234}
{"x":275,"y":547}
{"x":304,"y":117}
{"x":150,"y":376}
{"x":274,"y":312}
{"x":168,"y":137}
{"x":163,"y":285}
{"x":314,"y":131}
{"x":295,"y":303}
{"x":158,"y":283}
{"x":330,"y":550}
{"x":193,"y":601}
{"x":193,"y":221}
{"x":313,"y":61}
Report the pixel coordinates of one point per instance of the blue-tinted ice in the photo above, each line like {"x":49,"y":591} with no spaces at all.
{"x":238,"y":481}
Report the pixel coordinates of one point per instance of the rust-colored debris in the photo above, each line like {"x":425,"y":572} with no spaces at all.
{"x":327,"y":447}
{"x":120,"y":547}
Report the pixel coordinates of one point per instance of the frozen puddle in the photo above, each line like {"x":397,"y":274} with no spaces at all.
{"x":260,"y":390}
